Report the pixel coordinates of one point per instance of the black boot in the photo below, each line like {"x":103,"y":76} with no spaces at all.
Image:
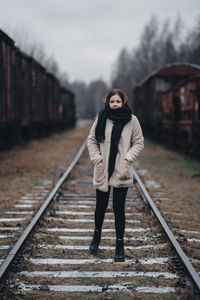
{"x":119,"y":251}
{"x":95,"y":241}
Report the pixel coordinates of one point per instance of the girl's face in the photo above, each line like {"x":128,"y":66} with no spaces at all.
{"x":115,"y":102}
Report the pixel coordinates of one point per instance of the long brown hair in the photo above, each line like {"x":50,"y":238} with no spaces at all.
{"x":118,"y":92}
{"x":111,"y":93}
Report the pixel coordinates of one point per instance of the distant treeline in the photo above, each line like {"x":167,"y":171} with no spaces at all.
{"x":159,"y":45}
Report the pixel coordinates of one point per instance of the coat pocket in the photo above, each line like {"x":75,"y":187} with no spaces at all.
{"x":126,"y":170}
{"x":98,"y":172}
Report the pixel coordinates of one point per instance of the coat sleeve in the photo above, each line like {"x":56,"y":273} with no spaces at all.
{"x":137,"y":141}
{"x":93,"y":145}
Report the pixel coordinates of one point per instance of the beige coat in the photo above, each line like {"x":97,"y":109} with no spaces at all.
{"x":130,"y":144}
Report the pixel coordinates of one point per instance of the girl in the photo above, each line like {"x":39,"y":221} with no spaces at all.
{"x":114,"y":142}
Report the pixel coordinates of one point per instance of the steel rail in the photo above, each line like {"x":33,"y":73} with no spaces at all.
{"x":7,"y":262}
{"x":192,"y":272}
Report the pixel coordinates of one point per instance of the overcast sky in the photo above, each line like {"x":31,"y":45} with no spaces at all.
{"x":85,"y":36}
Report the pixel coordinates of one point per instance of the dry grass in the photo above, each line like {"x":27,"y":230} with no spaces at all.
{"x":178,"y":174}
{"x":24,"y":165}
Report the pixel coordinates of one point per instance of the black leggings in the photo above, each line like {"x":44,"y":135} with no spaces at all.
{"x":119,"y":197}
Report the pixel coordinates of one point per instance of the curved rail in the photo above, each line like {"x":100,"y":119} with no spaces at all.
{"x":7,"y":262}
{"x":192,"y":272}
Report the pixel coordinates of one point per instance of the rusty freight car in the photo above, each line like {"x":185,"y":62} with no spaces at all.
{"x":52,"y":97}
{"x":67,"y":108}
{"x":39,"y":101}
{"x":9,"y":120}
{"x":157,"y":103}
{"x":23,"y":91}
{"x":30,"y":98}
{"x":181,"y":115}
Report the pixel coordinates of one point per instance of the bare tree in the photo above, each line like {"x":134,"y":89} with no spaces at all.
{"x":158,"y":46}
{"x":52,"y":66}
{"x":80,"y":90}
{"x":89,"y":98}
{"x":194,"y":44}
{"x":144,"y":55}
{"x":121,"y":73}
{"x":64,"y":80}
{"x":96,"y":92}
{"x":25,"y":41}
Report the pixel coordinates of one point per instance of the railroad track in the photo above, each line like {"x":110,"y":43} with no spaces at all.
{"x":50,"y":258}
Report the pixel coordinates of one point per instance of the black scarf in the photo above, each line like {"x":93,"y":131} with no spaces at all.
{"x":120,"y":116}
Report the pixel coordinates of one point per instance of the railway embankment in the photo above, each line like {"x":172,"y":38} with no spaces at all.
{"x":24,"y":165}
{"x":178,"y":174}
{"x":171,"y":180}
